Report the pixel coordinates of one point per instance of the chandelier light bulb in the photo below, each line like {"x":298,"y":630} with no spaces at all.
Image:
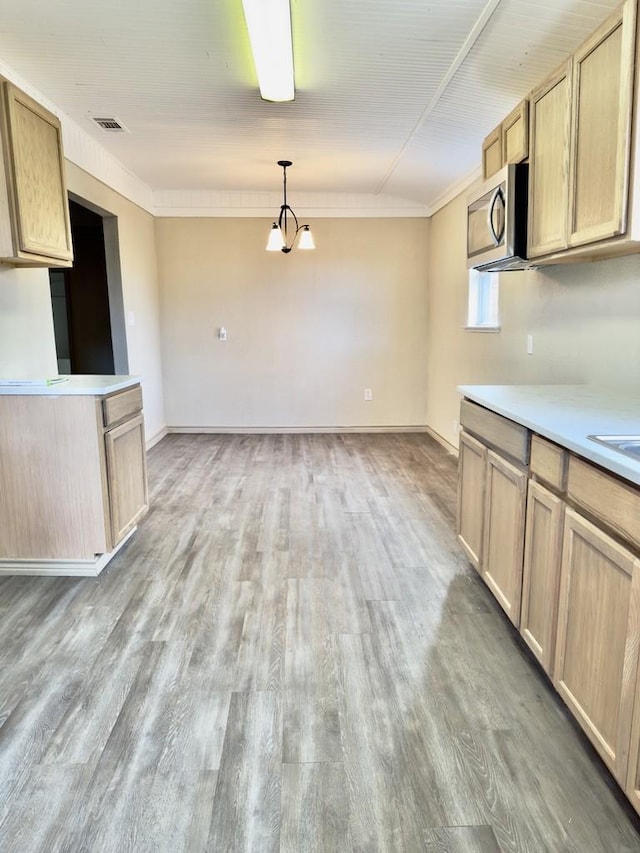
{"x":306,"y":240}
{"x":276,"y":240}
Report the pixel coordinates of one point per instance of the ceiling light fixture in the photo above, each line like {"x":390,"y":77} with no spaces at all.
{"x":269,"y":25}
{"x":278,"y":236}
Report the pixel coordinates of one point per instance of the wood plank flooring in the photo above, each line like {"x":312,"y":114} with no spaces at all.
{"x":291,"y":654}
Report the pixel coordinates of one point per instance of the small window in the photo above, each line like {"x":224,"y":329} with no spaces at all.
{"x":483,"y":302}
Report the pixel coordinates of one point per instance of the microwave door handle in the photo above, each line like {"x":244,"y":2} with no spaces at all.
{"x":498,"y":194}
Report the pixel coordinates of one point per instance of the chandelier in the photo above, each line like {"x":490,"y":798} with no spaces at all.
{"x":279,"y":235}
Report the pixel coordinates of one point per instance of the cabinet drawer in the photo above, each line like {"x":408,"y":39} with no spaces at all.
{"x":549,"y":462}
{"x":123,"y":405}
{"x":500,"y":433}
{"x":605,"y":497}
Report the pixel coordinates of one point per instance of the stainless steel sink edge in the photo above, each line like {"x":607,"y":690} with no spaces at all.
{"x":627,"y":444}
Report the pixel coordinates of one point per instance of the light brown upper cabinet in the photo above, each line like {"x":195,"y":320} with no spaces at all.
{"x":492,"y":153}
{"x":601,"y":130}
{"x":508,"y":142}
{"x":34,"y":209}
{"x":515,"y":134}
{"x":550,"y":121}
{"x":582,"y":154}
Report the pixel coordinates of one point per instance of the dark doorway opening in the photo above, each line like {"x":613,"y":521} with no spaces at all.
{"x":82,"y":297}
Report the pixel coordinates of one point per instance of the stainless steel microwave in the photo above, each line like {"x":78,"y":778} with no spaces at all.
{"x":497,"y":221}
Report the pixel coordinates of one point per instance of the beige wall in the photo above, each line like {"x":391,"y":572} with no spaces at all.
{"x":584,"y":318}
{"x":27,"y":345}
{"x":139,"y":287}
{"x":307,"y":332}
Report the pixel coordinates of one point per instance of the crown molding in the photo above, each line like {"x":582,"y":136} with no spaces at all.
{"x":454,"y":190}
{"x":86,"y":152}
{"x":81,"y":149}
{"x":206,"y":203}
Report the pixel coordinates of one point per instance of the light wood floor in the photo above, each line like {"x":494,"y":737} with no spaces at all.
{"x":291,"y":654}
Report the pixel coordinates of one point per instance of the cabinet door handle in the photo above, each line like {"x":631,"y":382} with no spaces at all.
{"x":498,"y":195}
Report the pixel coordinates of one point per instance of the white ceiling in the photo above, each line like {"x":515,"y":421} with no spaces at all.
{"x":393,"y":97}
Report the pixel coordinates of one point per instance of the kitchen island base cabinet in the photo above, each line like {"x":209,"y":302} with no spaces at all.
{"x":505,"y":502}
{"x":472,"y":467}
{"x":598,"y":632}
{"x":541,"y":573}
{"x":73,"y":479}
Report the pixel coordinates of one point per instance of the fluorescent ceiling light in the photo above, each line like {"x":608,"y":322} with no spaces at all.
{"x":269,"y":25}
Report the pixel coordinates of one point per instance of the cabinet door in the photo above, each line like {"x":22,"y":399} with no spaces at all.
{"x":35,"y":175}
{"x":472,"y":465}
{"x":126,"y":476}
{"x":505,"y":502}
{"x":632,"y":788}
{"x":597,"y":644}
{"x":550,"y":126}
{"x":541,"y":573}
{"x":492,"y":160}
{"x":601,"y":135}
{"x":515,"y":134}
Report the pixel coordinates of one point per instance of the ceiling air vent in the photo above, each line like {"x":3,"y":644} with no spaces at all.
{"x":110,"y":124}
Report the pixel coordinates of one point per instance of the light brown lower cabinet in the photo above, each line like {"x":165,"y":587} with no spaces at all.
{"x":596,"y":659}
{"x":632,"y":788}
{"x":126,"y":475}
{"x":472,"y":467}
{"x":503,"y":539}
{"x":73,"y":480}
{"x":541,"y":573}
{"x":572,"y":589}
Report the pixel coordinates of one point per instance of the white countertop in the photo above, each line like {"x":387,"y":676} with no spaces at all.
{"x":567,"y":414}
{"x":72,"y":385}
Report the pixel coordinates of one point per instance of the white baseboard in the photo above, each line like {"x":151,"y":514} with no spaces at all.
{"x":443,"y":441}
{"x":151,"y":442}
{"x":235,"y":430}
{"x":89,"y":568}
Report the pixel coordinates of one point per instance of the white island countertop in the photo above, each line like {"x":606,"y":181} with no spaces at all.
{"x":568,"y":415}
{"x":68,"y":386}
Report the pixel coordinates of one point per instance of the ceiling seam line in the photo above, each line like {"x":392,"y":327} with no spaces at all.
{"x":462,"y":54}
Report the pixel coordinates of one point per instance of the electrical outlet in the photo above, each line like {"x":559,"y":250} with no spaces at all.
{"x":529,"y":344}
{"x":368,"y":394}
{"x":222,"y":333}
